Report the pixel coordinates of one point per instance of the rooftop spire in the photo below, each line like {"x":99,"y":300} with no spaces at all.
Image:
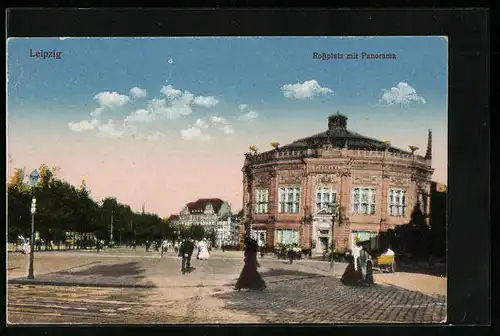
{"x":428,"y":154}
{"x":337,"y":121}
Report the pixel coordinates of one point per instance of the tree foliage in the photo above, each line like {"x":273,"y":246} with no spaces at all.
{"x":63,"y":208}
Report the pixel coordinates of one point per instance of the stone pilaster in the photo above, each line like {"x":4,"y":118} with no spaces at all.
{"x":428,"y":203}
{"x":270,"y":235}
{"x":412,"y":197}
{"x":273,"y":194}
{"x":384,"y":206}
{"x":342,"y":227}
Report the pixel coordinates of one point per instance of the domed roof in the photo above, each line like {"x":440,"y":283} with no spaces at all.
{"x":339,"y":136}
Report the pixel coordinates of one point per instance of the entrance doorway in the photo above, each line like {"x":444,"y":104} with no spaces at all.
{"x":323,"y":243}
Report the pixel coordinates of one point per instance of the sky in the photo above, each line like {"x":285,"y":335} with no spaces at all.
{"x":161,"y":122}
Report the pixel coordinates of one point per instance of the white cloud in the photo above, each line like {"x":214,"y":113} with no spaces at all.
{"x":97,"y":112}
{"x":201,"y":124}
{"x":243,"y":107}
{"x":140,"y":115}
{"x":223,"y":124}
{"x":305,"y":90}
{"x":218,"y":120}
{"x":111,"y":99}
{"x":227,"y":129}
{"x":401,"y":94}
{"x":192,"y":133}
{"x":128,"y":129}
{"x":170,"y":92}
{"x":249,"y":116}
{"x":138,"y":93}
{"x":176,"y":109}
{"x":186,"y":98}
{"x":156,"y":106}
{"x":84,"y":125}
{"x":109,"y":129}
{"x":208,"y":102}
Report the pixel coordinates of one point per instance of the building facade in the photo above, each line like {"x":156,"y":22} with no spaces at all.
{"x":292,"y":193}
{"x":212,"y":214}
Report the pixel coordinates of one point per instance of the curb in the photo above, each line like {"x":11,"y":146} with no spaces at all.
{"x":75,"y":284}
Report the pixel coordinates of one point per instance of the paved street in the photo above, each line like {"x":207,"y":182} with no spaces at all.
{"x":139,"y":287}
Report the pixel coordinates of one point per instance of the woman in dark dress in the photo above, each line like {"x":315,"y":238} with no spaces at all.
{"x":351,"y":276}
{"x":249,"y":277}
{"x":369,"y":273}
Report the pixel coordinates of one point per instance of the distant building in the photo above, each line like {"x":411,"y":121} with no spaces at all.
{"x":289,"y":191}
{"x":212,"y":214}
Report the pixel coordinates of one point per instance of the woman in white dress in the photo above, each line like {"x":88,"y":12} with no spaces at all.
{"x":203,"y":250}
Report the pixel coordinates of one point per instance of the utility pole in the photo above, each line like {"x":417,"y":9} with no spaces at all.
{"x":334,"y":209}
{"x":111,"y":231}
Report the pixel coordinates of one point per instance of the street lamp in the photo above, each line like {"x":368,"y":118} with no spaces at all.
{"x":34,"y":176}
{"x":333,"y":209}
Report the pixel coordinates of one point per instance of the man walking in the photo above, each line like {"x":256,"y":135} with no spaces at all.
{"x":186,"y":251}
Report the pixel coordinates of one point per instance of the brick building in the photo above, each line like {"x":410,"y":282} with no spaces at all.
{"x":288,"y":192}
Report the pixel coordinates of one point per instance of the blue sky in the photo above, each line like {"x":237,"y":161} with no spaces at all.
{"x":44,"y":95}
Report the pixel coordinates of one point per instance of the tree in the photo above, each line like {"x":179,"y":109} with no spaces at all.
{"x":62,"y":207}
{"x":17,"y":178}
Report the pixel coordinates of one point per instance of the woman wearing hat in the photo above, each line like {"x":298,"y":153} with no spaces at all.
{"x":249,"y":276}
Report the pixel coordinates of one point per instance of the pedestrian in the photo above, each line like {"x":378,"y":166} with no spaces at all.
{"x":26,"y":247}
{"x":291,"y":253}
{"x":249,"y":277}
{"x":259,"y":245}
{"x":351,"y":276}
{"x":186,"y":249}
{"x":203,"y":253}
{"x":369,"y":280}
{"x":147,"y":244}
{"x":363,"y":260}
{"x":27,"y":250}
{"x":263,"y":250}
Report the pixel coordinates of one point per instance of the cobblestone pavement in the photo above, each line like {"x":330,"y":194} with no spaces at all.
{"x":304,"y":292}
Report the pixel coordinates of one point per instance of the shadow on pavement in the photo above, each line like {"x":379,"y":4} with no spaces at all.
{"x":79,"y":266}
{"x":288,"y":274}
{"x":130,"y":269}
{"x":314,"y":298}
{"x":123,"y":275}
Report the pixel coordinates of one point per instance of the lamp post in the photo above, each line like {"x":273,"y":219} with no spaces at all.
{"x":111,"y":229}
{"x":333,"y":208}
{"x":33,"y":180}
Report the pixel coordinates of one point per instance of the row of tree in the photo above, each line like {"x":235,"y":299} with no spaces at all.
{"x":63,"y":208}
{"x":417,"y":239}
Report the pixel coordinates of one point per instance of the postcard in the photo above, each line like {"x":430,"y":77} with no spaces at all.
{"x":227,"y":180}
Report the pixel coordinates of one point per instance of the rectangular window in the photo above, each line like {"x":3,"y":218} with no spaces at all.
{"x":364,"y":201}
{"x":289,"y":200}
{"x":261,"y":200}
{"x":287,"y":237}
{"x":325,"y":197}
{"x":397,"y":202}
